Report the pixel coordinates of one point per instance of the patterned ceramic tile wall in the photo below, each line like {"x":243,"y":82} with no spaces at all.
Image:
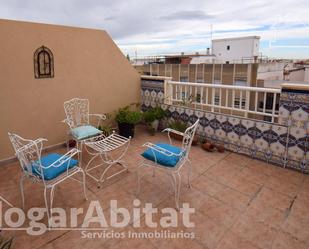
{"x":294,"y":113}
{"x":152,"y":93}
{"x":284,"y":144}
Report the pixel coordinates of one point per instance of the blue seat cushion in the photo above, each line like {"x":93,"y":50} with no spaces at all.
{"x":169,"y":161}
{"x":52,"y":172}
{"x":85,"y":131}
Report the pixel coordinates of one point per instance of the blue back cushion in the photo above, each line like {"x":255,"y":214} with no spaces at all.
{"x":85,"y":131}
{"x":169,"y":161}
{"x":53,"y":172}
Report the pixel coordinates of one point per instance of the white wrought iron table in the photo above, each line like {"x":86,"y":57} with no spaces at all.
{"x":110,"y":150}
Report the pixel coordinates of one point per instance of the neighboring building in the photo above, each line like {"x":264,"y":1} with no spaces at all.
{"x":175,"y":59}
{"x":86,"y":64}
{"x":271,"y":70}
{"x":236,"y":50}
{"x":273,"y":74}
{"x":203,"y":59}
{"x":300,"y":74}
{"x":226,"y":51}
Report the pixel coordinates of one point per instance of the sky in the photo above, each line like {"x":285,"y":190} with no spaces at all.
{"x":143,"y":27}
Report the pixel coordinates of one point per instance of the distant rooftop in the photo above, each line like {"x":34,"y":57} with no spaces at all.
{"x":238,"y":38}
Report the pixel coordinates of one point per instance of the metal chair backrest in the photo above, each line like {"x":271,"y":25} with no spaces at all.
{"x":188,"y":137}
{"x":28,"y":152}
{"x":77,"y":112}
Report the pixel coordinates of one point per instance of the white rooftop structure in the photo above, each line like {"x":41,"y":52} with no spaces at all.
{"x":236,"y":50}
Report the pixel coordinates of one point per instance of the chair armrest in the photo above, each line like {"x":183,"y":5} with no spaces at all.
{"x":173,"y":131}
{"x":66,"y":157}
{"x":161,"y":150}
{"x":40,"y":140}
{"x":100,"y":117}
{"x":66,"y":121}
{"x":169,"y":130}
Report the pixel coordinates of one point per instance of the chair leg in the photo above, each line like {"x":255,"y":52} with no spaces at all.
{"x":21,"y":185}
{"x":176,"y":185}
{"x":138,"y":182}
{"x":179,"y":186}
{"x":79,"y":155}
{"x":68,"y":144}
{"x":46,"y":205}
{"x":178,"y":190}
{"x":139,"y":177}
{"x":52,"y":192}
{"x":84,"y":184}
{"x":189,"y":173}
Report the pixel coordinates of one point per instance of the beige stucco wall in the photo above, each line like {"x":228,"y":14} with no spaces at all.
{"x":87,"y":64}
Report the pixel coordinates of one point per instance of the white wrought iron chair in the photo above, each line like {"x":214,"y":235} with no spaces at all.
{"x":48,"y":170}
{"x":111,"y":151}
{"x":169,"y":158}
{"x":78,"y":120}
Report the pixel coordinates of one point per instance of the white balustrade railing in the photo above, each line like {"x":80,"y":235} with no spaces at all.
{"x":239,"y":100}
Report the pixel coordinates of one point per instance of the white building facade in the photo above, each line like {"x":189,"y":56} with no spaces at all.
{"x":236,"y":50}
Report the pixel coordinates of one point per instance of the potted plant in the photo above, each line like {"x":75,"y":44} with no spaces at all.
{"x":211,"y":146}
{"x":127,"y":117}
{"x":179,"y":125}
{"x":152,"y":118}
{"x":5,"y":243}
{"x":107,"y":126}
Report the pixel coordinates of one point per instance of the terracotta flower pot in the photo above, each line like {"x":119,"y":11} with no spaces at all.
{"x":126,"y":129}
{"x":208,"y":147}
{"x":176,"y":136}
{"x":195,"y":140}
{"x":220,"y":148}
{"x":155,"y":125}
{"x":72,"y":143}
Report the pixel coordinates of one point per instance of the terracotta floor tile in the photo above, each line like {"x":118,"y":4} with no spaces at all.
{"x":300,"y":208}
{"x":286,"y":241}
{"x":25,"y":241}
{"x":238,"y":159}
{"x":261,"y":167}
{"x":193,"y":196}
{"x":270,"y":198}
{"x":208,"y":231}
{"x":201,"y":166}
{"x":240,"y":184}
{"x":207,"y":185}
{"x":239,"y":203}
{"x":219,"y":211}
{"x":297,"y":228}
{"x":233,"y":198}
{"x":258,"y":233}
{"x":253,"y":175}
{"x":268,"y":215}
{"x":233,"y":241}
{"x":281,"y":185}
{"x":131,"y":243}
{"x":181,"y":244}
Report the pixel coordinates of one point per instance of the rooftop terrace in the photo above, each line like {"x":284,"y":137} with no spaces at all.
{"x":239,"y":203}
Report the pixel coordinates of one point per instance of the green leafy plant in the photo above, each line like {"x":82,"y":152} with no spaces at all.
{"x":149,"y":116}
{"x":159,"y":113}
{"x":153,"y":114}
{"x":178,"y":125}
{"x":5,"y":243}
{"x":107,"y":125}
{"x":129,"y":114}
